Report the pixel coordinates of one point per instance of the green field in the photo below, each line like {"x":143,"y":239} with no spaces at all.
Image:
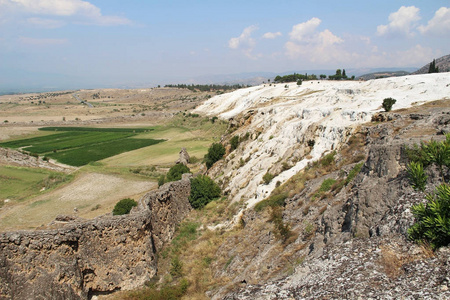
{"x":19,"y":183}
{"x":79,"y":146}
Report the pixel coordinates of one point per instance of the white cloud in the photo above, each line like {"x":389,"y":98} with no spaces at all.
{"x":310,"y":44}
{"x":41,"y":42}
{"x":245,"y":42}
{"x":401,"y":22}
{"x":304,"y":30}
{"x":415,"y":56}
{"x":439,"y":24}
{"x":82,"y":11}
{"x":272,"y":35}
{"x":245,"y":39}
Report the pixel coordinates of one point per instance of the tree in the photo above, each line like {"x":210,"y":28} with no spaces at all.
{"x":203,"y":191}
{"x":215,"y":153}
{"x":323,"y":76}
{"x":343,"y":74}
{"x":433,"y":68}
{"x":176,"y":172}
{"x":299,"y":82}
{"x":124,"y":206}
{"x":388,"y":103}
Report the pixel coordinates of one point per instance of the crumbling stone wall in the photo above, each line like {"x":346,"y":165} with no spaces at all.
{"x":84,"y":259}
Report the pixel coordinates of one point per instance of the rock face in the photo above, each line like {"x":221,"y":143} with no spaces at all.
{"x":94,"y":257}
{"x":353,"y":243}
{"x":184,"y":157}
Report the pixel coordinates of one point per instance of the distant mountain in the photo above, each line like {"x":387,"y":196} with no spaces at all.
{"x":443,"y":63}
{"x":255,"y":78}
{"x":384,"y":74}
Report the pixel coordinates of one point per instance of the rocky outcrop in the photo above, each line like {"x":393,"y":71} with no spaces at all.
{"x":14,"y":157}
{"x":348,"y":244}
{"x":184,"y":157}
{"x":88,"y":258}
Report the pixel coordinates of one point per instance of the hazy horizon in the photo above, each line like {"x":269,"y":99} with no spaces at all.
{"x":65,"y":44}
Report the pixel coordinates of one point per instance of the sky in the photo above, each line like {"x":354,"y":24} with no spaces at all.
{"x":115,"y":43}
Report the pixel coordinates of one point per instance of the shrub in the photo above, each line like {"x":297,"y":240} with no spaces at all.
{"x":417,"y":176}
{"x":161,"y":180}
{"x":433,"y":219}
{"x":431,"y":152}
{"x":328,"y":159}
{"x":234,"y":142}
{"x":272,"y":201}
{"x":267,"y":178}
{"x":326,"y":185}
{"x":215,"y":153}
{"x":388,"y":103}
{"x":203,"y":191}
{"x":282,"y":230}
{"x":176,"y":172}
{"x":124,"y":206}
{"x":353,"y":172}
{"x":176,"y":267}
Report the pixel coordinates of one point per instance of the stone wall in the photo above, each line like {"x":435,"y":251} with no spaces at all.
{"x":94,"y":257}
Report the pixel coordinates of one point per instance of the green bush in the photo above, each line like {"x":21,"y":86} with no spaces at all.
{"x":124,"y":206}
{"x":203,"y":191}
{"x":272,"y":201}
{"x":417,"y":176}
{"x":433,"y":219}
{"x":176,"y":172}
{"x":215,"y":153}
{"x":176,"y":267}
{"x":328,"y":159}
{"x":431,"y":152}
{"x":388,"y":103}
{"x":267,"y":178}
{"x":161,"y":180}
{"x":353,"y":172}
{"x":234,"y":142}
{"x":326,"y":185}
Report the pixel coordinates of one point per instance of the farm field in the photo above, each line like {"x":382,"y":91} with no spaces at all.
{"x":79,"y":146}
{"x":120,"y":147}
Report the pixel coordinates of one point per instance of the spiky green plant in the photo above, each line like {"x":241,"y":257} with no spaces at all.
{"x":417,"y":176}
{"x":433,"y":219}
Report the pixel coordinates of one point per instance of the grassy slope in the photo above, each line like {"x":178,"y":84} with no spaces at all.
{"x":20,"y":183}
{"x":195,"y":134}
{"x":92,"y":194}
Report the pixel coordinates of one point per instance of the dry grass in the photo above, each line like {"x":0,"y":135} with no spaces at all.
{"x":392,"y":259}
{"x":92,"y":194}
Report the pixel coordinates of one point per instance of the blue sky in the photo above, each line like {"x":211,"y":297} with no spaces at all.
{"x":106,"y":43}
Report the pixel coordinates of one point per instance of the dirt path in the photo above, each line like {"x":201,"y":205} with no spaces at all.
{"x":92,"y":194}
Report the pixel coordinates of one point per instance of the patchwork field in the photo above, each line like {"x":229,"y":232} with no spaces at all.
{"x":78,"y":146}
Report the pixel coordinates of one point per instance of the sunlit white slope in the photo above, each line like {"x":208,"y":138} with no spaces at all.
{"x":326,"y":111}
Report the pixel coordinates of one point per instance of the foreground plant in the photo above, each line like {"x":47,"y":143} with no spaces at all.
{"x":417,"y":176}
{"x":433,"y":219}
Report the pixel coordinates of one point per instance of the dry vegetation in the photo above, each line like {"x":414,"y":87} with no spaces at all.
{"x":95,"y":188}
